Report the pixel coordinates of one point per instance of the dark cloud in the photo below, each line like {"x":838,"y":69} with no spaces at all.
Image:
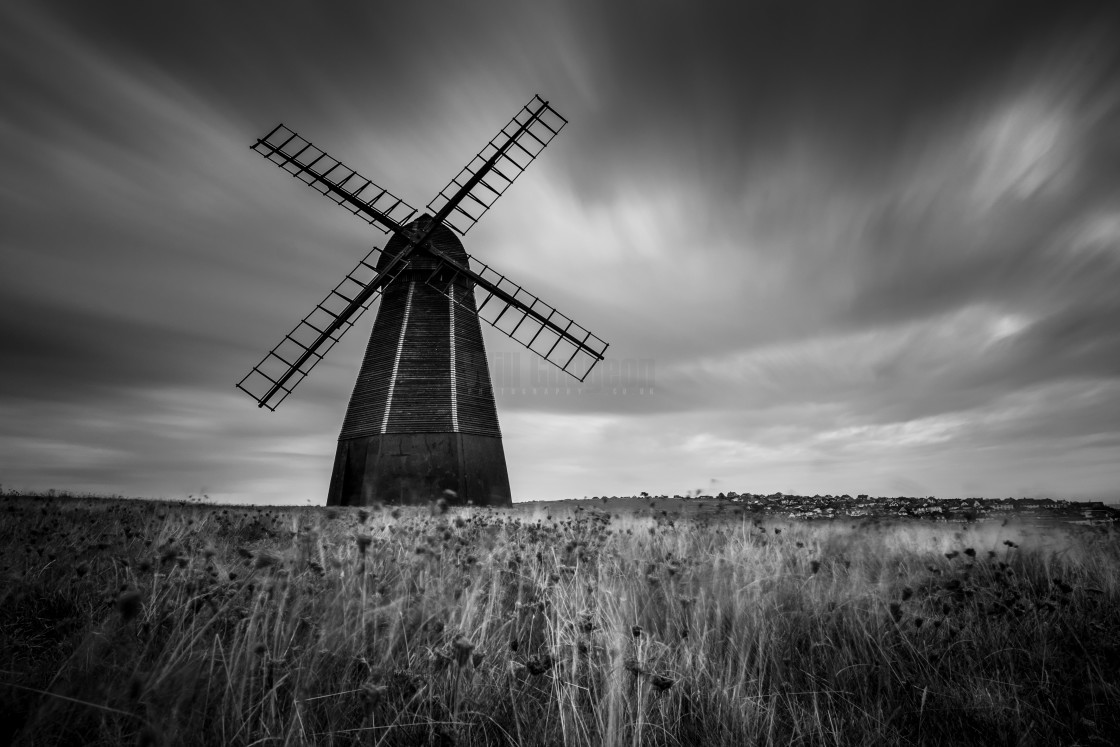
{"x":727,"y":85}
{"x":844,"y":234}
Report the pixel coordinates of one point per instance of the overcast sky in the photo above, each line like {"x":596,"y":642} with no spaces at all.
{"x":860,"y":247}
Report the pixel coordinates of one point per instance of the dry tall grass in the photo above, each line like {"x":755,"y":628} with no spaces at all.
{"x":127,"y":623}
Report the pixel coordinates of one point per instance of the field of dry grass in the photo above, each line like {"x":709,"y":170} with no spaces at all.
{"x":163,"y":624}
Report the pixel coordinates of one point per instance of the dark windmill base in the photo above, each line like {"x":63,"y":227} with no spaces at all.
{"x":422,"y":418}
{"x":414,"y":468}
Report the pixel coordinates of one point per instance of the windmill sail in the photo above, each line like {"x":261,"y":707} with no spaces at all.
{"x":331,"y":178}
{"x":286,"y":365}
{"x":506,"y":306}
{"x":522,"y":316}
{"x":516,"y":146}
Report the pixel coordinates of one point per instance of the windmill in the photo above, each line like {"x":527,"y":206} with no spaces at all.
{"x":422,"y":418}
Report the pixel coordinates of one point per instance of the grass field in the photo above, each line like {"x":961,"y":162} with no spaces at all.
{"x":180,"y":624}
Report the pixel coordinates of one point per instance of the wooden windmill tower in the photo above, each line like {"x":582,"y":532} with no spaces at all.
{"x":422,"y":419}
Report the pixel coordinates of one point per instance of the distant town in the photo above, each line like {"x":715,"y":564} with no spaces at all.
{"x":945,"y":509}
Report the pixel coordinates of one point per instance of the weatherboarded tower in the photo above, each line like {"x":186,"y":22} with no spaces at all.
{"x":421,"y":423}
{"x":422,"y":418}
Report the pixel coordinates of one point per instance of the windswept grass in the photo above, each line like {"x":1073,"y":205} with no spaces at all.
{"x":136,"y":623}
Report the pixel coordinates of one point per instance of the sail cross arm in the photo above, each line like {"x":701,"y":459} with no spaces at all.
{"x":489,"y":174}
{"x":286,"y":365}
{"x":333,"y":179}
{"x":521,"y":316}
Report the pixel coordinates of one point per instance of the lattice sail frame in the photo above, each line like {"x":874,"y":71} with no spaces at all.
{"x":261,"y":382}
{"x":544,"y":123}
{"x":535,"y":324}
{"x":334,"y":180}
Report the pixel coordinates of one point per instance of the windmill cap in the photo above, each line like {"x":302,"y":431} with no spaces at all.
{"x":442,"y":238}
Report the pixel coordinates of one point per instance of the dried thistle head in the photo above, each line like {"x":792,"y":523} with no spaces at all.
{"x":438,"y":660}
{"x":135,"y":688}
{"x":586,"y":620}
{"x":148,"y":737}
{"x":634,"y":666}
{"x":539,"y":663}
{"x":463,"y":649}
{"x":129,"y":604}
{"x":896,"y":611}
{"x":364,"y":541}
{"x":372,"y":693}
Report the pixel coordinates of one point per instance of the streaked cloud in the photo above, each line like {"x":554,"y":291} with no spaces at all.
{"x":857,"y":248}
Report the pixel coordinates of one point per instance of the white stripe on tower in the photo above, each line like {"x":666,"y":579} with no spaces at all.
{"x":454,"y":384}
{"x":397,"y":359}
